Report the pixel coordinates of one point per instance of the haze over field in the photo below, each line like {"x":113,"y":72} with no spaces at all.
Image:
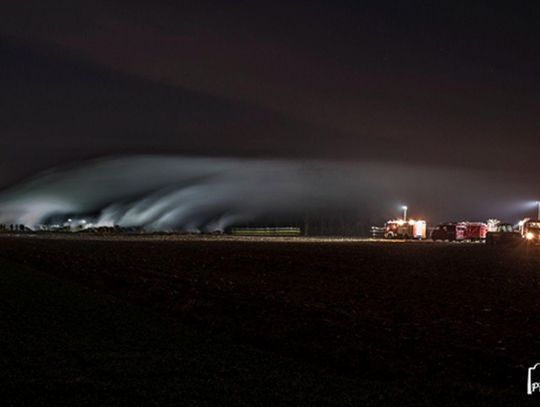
{"x":210,"y":194}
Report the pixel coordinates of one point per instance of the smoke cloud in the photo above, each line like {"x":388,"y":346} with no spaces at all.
{"x":166,"y":193}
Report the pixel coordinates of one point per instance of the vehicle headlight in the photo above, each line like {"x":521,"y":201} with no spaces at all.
{"x":529,"y":235}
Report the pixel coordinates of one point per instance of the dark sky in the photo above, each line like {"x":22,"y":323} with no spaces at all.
{"x":448,"y":86}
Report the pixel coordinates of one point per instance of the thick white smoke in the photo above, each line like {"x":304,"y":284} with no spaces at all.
{"x":210,"y":194}
{"x":178,"y":193}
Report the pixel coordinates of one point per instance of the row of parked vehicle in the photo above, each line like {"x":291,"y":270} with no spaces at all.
{"x":493,"y":232}
{"x":460,"y":231}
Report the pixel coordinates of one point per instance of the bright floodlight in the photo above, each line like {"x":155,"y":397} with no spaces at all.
{"x":404,"y":207}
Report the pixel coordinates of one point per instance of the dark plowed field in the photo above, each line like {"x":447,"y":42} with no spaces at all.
{"x":456,"y":323}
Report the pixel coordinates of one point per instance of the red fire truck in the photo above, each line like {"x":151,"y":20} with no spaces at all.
{"x":475,"y":231}
{"x":401,"y":229}
{"x":460,"y":231}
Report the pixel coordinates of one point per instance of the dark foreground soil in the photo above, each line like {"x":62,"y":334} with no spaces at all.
{"x":375,"y":323}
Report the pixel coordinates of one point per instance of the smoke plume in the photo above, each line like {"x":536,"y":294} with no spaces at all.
{"x":165,"y":193}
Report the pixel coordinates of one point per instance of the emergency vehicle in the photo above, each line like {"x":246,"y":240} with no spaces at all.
{"x":405,"y":229}
{"x":530,"y":229}
{"x":475,"y":231}
{"x":460,"y":231}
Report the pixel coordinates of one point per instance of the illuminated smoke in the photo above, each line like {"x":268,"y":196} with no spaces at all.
{"x":176,"y":193}
{"x":161,"y":193}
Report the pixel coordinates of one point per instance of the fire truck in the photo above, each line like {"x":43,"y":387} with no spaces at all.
{"x":475,"y":231}
{"x":405,"y":229}
{"x":460,"y":231}
{"x":530,"y":229}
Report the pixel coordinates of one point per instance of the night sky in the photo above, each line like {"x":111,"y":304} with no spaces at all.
{"x":408,"y":82}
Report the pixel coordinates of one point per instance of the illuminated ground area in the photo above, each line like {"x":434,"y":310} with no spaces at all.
{"x":280,"y":323}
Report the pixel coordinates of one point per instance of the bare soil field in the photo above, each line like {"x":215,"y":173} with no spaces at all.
{"x":421,"y":323}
